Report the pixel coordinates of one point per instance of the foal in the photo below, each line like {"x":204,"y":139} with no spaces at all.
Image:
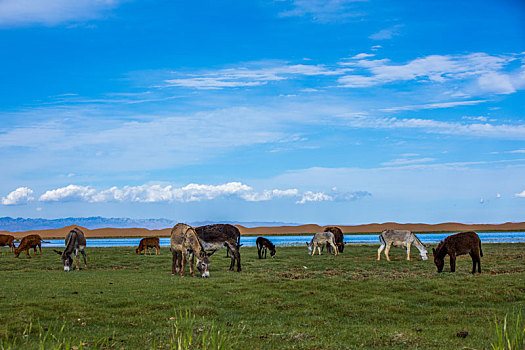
{"x":263,"y":245}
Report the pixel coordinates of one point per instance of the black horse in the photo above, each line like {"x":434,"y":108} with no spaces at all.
{"x":263,"y":245}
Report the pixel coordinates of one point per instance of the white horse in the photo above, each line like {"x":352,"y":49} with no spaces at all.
{"x":319,"y":240}
{"x":400,"y":238}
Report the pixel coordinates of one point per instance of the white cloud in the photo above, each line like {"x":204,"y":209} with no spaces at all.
{"x":68,"y":193}
{"x":520,"y":195}
{"x":51,"y":12}
{"x":362,"y":55}
{"x":19,"y":196}
{"x":387,"y":33}
{"x":155,"y":193}
{"x":433,"y":68}
{"x":310,"y":196}
{"x":495,"y":82}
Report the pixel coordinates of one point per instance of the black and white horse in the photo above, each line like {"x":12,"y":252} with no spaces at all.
{"x":75,"y":243}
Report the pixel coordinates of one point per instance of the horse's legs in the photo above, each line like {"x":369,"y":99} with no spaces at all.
{"x":84,"y":256}
{"x":408,"y":251}
{"x":235,"y":252}
{"x":77,"y":260}
{"x":192,"y":262}
{"x":381,"y":247}
{"x":265,"y":252}
{"x":259,"y":251}
{"x":479,"y":262}
{"x":474,"y":261}
{"x":387,"y":249}
{"x":173,"y":262}
{"x":183,"y":262}
{"x":235,"y":255}
{"x":334,"y":248}
{"x":452,"y":262}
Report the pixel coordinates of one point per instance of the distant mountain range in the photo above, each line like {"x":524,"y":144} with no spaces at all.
{"x":95,"y":222}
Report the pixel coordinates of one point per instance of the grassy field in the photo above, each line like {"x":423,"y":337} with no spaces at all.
{"x":293,"y":301}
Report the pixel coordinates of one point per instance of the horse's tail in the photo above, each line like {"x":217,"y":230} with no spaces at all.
{"x":238,"y":238}
{"x":480,"y":251}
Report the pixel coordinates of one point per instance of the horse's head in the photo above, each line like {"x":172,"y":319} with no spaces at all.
{"x":310,"y":248}
{"x":423,"y":253}
{"x":272,"y":251}
{"x":203,"y":264}
{"x":137,"y":251}
{"x":438,"y":258}
{"x":67,"y":260}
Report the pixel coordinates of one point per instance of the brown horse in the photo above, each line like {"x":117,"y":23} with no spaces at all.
{"x":148,"y":242}
{"x":28,"y":242}
{"x":7,"y":240}
{"x":459,"y":244}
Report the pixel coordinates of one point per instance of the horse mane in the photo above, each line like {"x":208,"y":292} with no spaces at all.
{"x":418,"y":240}
{"x":440,"y":247}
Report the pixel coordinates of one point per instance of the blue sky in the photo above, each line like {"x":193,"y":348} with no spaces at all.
{"x":336,"y":111}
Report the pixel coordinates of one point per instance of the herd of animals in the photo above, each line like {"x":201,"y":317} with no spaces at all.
{"x":189,"y":243}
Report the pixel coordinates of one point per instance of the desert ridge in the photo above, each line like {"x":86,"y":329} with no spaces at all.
{"x":280,"y":230}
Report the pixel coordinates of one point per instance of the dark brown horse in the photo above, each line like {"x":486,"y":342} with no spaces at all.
{"x":214,"y":237}
{"x":339,"y":238}
{"x":459,"y":244}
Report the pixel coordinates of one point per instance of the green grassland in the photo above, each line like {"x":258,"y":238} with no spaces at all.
{"x":123,"y":300}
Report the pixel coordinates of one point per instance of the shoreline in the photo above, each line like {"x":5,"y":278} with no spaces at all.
{"x":308,"y":229}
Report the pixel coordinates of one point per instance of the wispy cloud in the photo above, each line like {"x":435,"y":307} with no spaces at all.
{"x":434,"y":106}
{"x":485,"y":69}
{"x":407,"y":161}
{"x":387,"y":33}
{"x":21,"y":195}
{"x":52,"y":12}
{"x":253,"y":74}
{"x":323,"y":10}
{"x":155,"y":193}
{"x":503,"y":131}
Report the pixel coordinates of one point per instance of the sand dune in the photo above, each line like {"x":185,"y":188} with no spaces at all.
{"x":281,"y":230}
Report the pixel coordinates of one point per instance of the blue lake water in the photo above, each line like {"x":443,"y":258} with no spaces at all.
{"x":486,"y":237}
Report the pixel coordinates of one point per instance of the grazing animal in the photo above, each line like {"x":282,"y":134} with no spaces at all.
{"x":184,"y":240}
{"x":7,"y":240}
{"x":75,"y":243}
{"x":148,"y":242}
{"x":400,"y":238}
{"x":238,"y":233}
{"x":214,"y":237}
{"x":338,"y":236}
{"x":263,"y":245}
{"x":319,"y":240}
{"x":459,"y":244}
{"x":28,"y":242}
